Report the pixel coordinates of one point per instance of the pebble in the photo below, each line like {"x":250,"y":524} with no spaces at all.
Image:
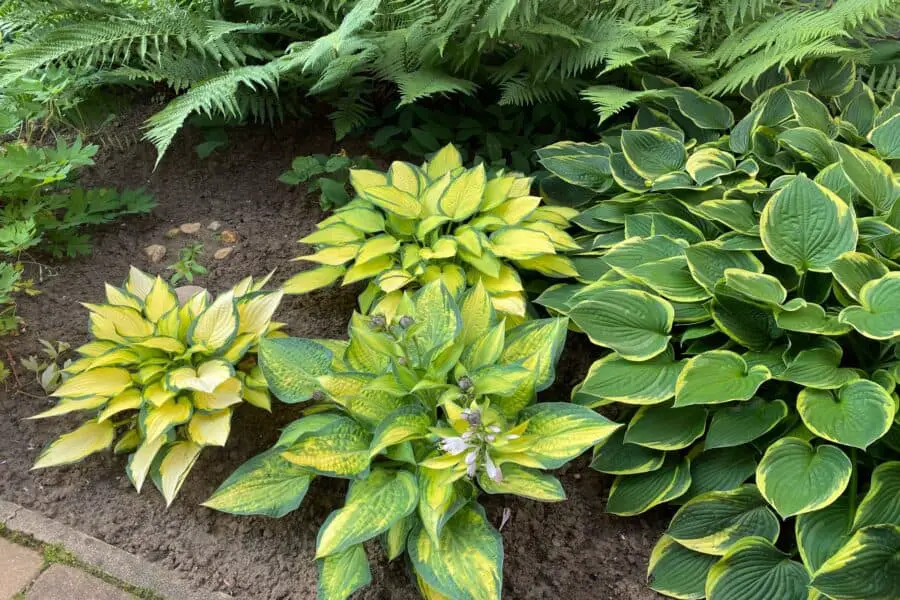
{"x":190,"y":227}
{"x":229,"y":236}
{"x":222,"y":253}
{"x":155,"y":252}
{"x":214,"y":226}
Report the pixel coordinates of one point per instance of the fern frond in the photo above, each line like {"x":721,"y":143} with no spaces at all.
{"x":350,"y":112}
{"x":609,"y":100}
{"x":422,"y":84}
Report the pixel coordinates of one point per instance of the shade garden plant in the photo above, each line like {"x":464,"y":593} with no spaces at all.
{"x":746,"y":290}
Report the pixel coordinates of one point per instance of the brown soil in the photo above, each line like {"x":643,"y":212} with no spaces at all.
{"x":572,"y":549}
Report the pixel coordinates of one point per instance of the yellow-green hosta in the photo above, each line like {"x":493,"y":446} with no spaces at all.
{"x":441,"y":221}
{"x":420,"y":411}
{"x":161,"y":376}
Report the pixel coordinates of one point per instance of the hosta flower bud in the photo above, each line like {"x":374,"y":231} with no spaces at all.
{"x":406,"y":321}
{"x":378,"y":321}
{"x":318,"y":396}
{"x":472,"y":417}
{"x":454,"y":445}
{"x":465,"y":384}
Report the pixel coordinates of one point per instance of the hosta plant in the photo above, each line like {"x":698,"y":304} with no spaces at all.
{"x":748,"y":292}
{"x":161,"y":378}
{"x":440,"y":221}
{"x":420,"y":412}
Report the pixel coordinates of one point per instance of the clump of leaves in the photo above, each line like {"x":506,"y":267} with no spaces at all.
{"x":421,"y":411}
{"x":48,"y":371}
{"x":188,"y":263}
{"x":328,"y":176}
{"x":748,"y":290}
{"x":11,"y":282}
{"x":161,"y":377}
{"x":440,"y":221}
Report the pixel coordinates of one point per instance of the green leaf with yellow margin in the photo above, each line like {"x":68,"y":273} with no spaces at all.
{"x":871,"y":177}
{"x":882,"y":502}
{"x":92,"y":436}
{"x":466,"y":563}
{"x":878,"y":317}
{"x":661,"y":427}
{"x":820,"y":534}
{"x":634,"y":494}
{"x":407,"y":423}
{"x":562,"y":431}
{"x":343,"y":573}
{"x":857,"y":414}
{"x":753,"y":569}
{"x":854,"y":269}
{"x":524,"y":482}
{"x":652,"y":152}
{"x":678,"y":572}
{"x":340,"y":449}
{"x":615,"y":379}
{"x":616,"y":457}
{"x":291,"y":367}
{"x":865,"y":568}
{"x":716,"y":377}
{"x":635,"y":324}
{"x":373,"y":505}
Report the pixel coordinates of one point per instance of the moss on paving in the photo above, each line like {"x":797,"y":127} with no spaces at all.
{"x":58,"y":554}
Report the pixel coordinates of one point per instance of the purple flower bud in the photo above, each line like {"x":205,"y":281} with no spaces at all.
{"x":473,"y":417}
{"x":318,"y":396}
{"x":378,"y":321}
{"x":406,"y":321}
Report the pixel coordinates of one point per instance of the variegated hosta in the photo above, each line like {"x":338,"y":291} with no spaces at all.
{"x":749,"y":292}
{"x":418,"y":411}
{"x":443,"y":222}
{"x":162,"y":377}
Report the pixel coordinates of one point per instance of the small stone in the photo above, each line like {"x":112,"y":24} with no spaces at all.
{"x":190,"y":227}
{"x":229,"y":236}
{"x":222,"y":253}
{"x":173,"y":233}
{"x":155,"y":253}
{"x":186,"y":292}
{"x":214,"y":226}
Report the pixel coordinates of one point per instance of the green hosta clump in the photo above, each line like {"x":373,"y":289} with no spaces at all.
{"x":161,"y":378}
{"x":419,"y":411}
{"x":748,"y":290}
{"x":440,"y":221}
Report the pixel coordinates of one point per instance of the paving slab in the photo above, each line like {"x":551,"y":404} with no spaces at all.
{"x":18,"y":567}
{"x":62,"y":582}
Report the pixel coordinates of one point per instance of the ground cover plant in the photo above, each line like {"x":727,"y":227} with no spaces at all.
{"x":161,"y":377}
{"x":746,"y":289}
{"x":421,"y":411}
{"x":328,"y":176}
{"x":440,"y":221}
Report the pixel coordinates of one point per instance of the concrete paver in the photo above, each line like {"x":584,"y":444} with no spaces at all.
{"x":18,"y":567}
{"x":62,"y":582}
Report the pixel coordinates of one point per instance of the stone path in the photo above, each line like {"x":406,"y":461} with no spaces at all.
{"x":42,"y":559}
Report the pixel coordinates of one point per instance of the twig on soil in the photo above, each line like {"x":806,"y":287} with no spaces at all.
{"x":12,"y":367}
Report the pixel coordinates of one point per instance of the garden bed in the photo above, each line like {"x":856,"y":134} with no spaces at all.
{"x":571,"y":549}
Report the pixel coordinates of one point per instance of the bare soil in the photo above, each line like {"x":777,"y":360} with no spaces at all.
{"x":570,"y":550}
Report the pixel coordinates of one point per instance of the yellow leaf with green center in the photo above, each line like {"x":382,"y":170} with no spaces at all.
{"x":373,"y":505}
{"x":126,"y":322}
{"x":174,"y":467}
{"x":105,"y":381}
{"x":130,"y":399}
{"x":157,"y":420}
{"x":71,"y":447}
{"x":216,"y":326}
{"x":205,"y":378}
{"x":313,"y":279}
{"x":160,"y":300}
{"x":226,"y":394}
{"x":519,"y":243}
{"x":66,"y":406}
{"x":210,"y":429}
{"x":139,"y":463}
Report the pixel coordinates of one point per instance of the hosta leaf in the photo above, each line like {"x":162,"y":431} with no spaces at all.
{"x":748,"y":324}
{"x":818,"y":368}
{"x":807,"y":226}
{"x":796,"y":478}
{"x":736,"y":214}
{"x":633,"y":323}
{"x":66,"y":406}
{"x":312,"y":279}
{"x":810,"y":112}
{"x":721,"y":469}
{"x":441,"y":495}
{"x":562,"y":431}
{"x":216,"y":326}
{"x":393,"y":200}
{"x":342,"y":573}
{"x":103,"y":381}
{"x":444,"y":160}
{"x":865,"y":568}
{"x":855,"y":415}
{"x":755,"y":287}
{"x":210,"y":429}
{"x":373,"y":505}
{"x":742,"y":423}
{"x":871,"y":177}
{"x":822,"y":533}
{"x":670,"y":278}
{"x":878,"y":317}
{"x":854,"y":269}
{"x":708,"y":263}
{"x":882,"y":502}
{"x":140,"y":462}
{"x":291,"y":366}
{"x":524,"y":482}
{"x":754,"y":569}
{"x":886,"y":138}
{"x":652,"y":152}
{"x":810,"y":144}
{"x":467,"y":560}
{"x":716,"y":377}
{"x":714,"y":522}
{"x":406,"y":423}
{"x":615,"y":379}
{"x":634,"y":494}
{"x":266,"y":485}
{"x":635,"y":251}
{"x":584,"y":165}
{"x":176,"y":463}
{"x":340,"y":449}
{"x":616,"y":457}
{"x":464,"y":194}
{"x":807,"y":317}
{"x":678,"y":572}
{"x":92,"y":436}
{"x":706,"y":164}
{"x":666,"y":428}
{"x":157,"y":420}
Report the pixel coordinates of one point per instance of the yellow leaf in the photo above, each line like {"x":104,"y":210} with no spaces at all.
{"x":130,"y":399}
{"x":226,"y":394}
{"x":363,"y":218}
{"x":377,"y":246}
{"x":175,"y":466}
{"x":429,"y":224}
{"x":139,"y":462}
{"x":486,"y":262}
{"x":513,"y":303}
{"x":216,"y":327}
{"x":170,"y":413}
{"x":128,"y":442}
{"x":557,"y":215}
{"x":117,"y":357}
{"x":518,"y":243}
{"x":334,"y":235}
{"x":443,"y":248}
{"x":148,"y":373}
{"x":464,"y":195}
{"x":71,"y":447}
{"x":257,"y":398}
{"x":66,"y":406}
{"x":160,"y":300}
{"x":507,"y":280}
{"x":332,"y":255}
{"x":138,"y":283}
{"x":95,"y":348}
{"x":313,"y":279}
{"x":561,"y":240}
{"x":393,"y":200}
{"x":393,"y":280}
{"x":387,"y":305}
{"x":454,"y":278}
{"x":120,"y":297}
{"x":206,"y":378}
{"x":469,"y":240}
{"x":210,"y":429}
{"x":166,"y":344}
{"x":521,"y":187}
{"x":255,"y":313}
{"x":126,"y":322}
{"x":405,"y":177}
{"x":361,"y":179}
{"x":516,"y":210}
{"x":496,"y":191}
{"x":551,"y":265}
{"x":105,"y":381}
{"x":366,"y":270}
{"x":241,"y":345}
{"x":434,"y":191}
{"x":444,"y":161}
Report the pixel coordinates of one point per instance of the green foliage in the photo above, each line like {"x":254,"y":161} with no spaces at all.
{"x":420,"y":411}
{"x":329,"y":176}
{"x":160,"y":377}
{"x":48,"y":371}
{"x":440,"y":221}
{"x":188,"y":264}
{"x":747,"y":286}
